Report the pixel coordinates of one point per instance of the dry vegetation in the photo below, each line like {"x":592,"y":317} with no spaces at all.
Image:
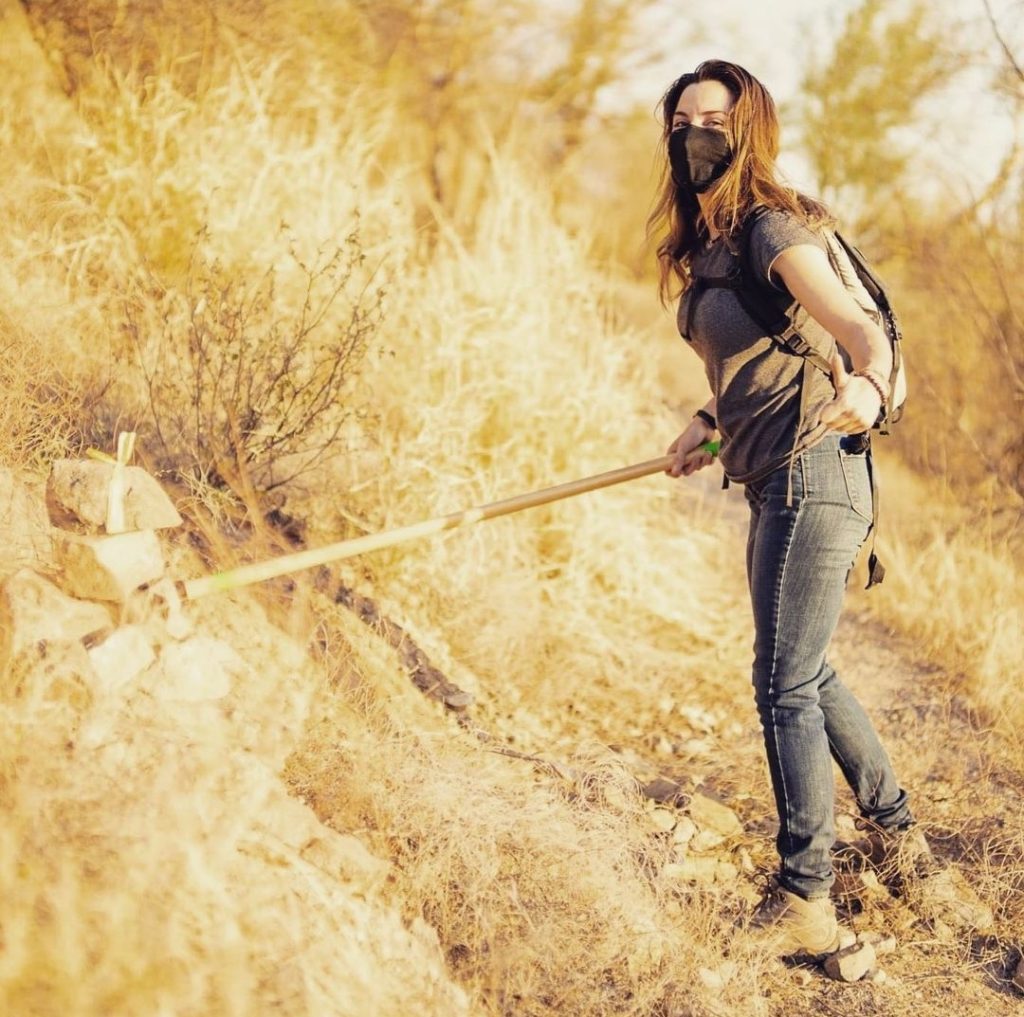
{"x":395,"y":213}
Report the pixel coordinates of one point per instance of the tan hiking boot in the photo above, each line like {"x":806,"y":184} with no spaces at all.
{"x":904,"y":861}
{"x":895,"y":855}
{"x":947,"y":897}
{"x":796,"y":926}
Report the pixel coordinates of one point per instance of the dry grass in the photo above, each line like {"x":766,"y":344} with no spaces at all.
{"x":140,"y":870}
{"x":956,"y":587}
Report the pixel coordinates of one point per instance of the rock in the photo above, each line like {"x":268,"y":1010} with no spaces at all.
{"x":872,"y":885}
{"x":33,"y":611}
{"x":48,"y":674}
{"x":706,"y":840}
{"x":649,"y":950}
{"x":684,"y":831}
{"x":847,"y":937}
{"x":162,"y":601}
{"x":709,"y":814}
{"x":858,"y":884}
{"x":940,"y":930}
{"x":699,"y":718}
{"x":662,"y":790}
{"x":703,"y":871}
{"x":287,"y":821}
{"x":877,"y":977}
{"x":883,"y":943}
{"x":200,"y":668}
{"x":1018,"y":975}
{"x":662,"y":820}
{"x":425,"y":933}
{"x":663,"y":747}
{"x":76,"y":497}
{"x":697,"y":747}
{"x":726,"y":873}
{"x":615,"y":797}
{"x":947,"y":899}
{"x":120,"y":658}
{"x":457,"y":699}
{"x":23,"y":523}
{"x":718,"y":978}
{"x":692,"y":870}
{"x":851,"y":963}
{"x":110,"y":567}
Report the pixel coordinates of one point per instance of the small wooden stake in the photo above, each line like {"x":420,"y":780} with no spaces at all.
{"x":115,"y":492}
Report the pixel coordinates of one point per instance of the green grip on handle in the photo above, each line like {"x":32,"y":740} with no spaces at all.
{"x":710,"y":446}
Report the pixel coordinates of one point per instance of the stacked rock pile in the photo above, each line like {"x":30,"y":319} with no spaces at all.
{"x":101,"y":623}
{"x":105,"y":605}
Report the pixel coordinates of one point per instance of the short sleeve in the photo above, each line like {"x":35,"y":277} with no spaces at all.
{"x":773,"y":233}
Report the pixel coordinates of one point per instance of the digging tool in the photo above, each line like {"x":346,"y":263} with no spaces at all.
{"x":260,"y":571}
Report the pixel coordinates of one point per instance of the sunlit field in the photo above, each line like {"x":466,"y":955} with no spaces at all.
{"x":346,"y":266}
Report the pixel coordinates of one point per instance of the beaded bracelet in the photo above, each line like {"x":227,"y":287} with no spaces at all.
{"x":873,"y":379}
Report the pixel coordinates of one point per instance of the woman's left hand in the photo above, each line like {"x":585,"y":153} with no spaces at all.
{"x":856,"y":405}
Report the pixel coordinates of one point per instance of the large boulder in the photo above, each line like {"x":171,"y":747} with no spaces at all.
{"x":76,"y":497}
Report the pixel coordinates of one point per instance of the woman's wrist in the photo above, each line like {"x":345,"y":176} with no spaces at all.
{"x":877,"y":382}
{"x":708,"y":420}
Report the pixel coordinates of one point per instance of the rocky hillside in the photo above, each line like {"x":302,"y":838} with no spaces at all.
{"x":158,"y":860}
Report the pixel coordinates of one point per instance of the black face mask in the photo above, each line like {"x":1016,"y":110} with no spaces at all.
{"x":698,"y":156}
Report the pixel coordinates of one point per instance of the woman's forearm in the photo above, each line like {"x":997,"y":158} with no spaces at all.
{"x":867,"y":346}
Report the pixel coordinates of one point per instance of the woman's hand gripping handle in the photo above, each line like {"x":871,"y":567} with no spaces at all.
{"x":694,"y":448}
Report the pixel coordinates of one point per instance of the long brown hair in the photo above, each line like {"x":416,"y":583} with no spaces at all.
{"x":750,"y":180}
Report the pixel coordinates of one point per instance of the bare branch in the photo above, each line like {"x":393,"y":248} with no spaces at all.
{"x":1003,"y":45}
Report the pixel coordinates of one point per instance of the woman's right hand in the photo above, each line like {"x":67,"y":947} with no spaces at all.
{"x":687,"y":460}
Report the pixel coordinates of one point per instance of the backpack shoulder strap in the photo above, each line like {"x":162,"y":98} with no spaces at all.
{"x":774,"y":310}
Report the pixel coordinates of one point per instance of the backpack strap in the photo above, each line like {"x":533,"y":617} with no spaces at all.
{"x":890,"y":325}
{"x":876,"y":570}
{"x":772,"y":309}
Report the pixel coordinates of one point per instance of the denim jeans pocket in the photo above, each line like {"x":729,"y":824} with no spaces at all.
{"x":856,"y":474}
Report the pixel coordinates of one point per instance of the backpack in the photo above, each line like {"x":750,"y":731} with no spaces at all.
{"x":775,"y":310}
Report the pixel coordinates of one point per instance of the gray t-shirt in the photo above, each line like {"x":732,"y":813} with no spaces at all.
{"x":756,"y":382}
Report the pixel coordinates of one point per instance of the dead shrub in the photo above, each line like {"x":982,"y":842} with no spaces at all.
{"x":249,"y":384}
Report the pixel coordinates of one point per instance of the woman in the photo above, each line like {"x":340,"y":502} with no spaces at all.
{"x":796,"y":439}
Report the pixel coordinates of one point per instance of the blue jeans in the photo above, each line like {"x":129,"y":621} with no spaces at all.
{"x":798,"y":561}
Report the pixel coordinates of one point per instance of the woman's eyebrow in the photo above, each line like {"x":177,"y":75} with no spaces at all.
{"x":703,"y":113}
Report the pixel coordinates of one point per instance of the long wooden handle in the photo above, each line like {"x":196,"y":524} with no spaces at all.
{"x":259,"y":571}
